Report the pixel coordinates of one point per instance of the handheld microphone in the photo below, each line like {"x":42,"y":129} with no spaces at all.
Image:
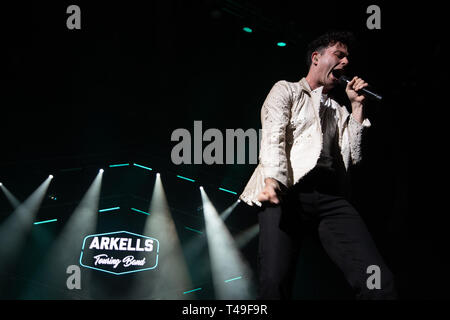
{"x":366,"y":92}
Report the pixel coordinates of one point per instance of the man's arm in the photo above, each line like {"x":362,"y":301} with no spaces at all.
{"x":357,"y":121}
{"x":275,"y":115}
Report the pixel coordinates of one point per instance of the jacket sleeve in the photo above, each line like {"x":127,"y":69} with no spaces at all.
{"x":275,"y":115}
{"x":356,"y":133}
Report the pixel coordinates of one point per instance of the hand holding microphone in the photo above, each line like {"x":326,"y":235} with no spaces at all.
{"x":357,"y":91}
{"x":353,"y":90}
{"x":360,"y":87}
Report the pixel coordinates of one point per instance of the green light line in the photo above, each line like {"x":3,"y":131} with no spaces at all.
{"x":137,"y":210}
{"x":138,"y":165}
{"x":109,"y":209}
{"x":181,"y":177}
{"x":227,"y":190}
{"x":119,"y":165}
{"x":192,"y":290}
{"x":193,"y":230}
{"x":247,"y":29}
{"x":46,"y":221}
{"x":237,"y":278}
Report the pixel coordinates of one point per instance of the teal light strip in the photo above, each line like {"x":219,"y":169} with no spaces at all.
{"x":237,"y":278}
{"x":192,"y":290}
{"x":181,"y":177}
{"x":247,"y":29}
{"x":281,"y":44}
{"x":227,"y":190}
{"x":193,"y":230}
{"x":109,"y":209}
{"x":138,"y":165}
{"x":137,"y":210}
{"x":119,"y":165}
{"x":46,"y":221}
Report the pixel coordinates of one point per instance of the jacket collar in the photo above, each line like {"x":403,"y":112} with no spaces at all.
{"x":305,"y":87}
{"x":314,"y":94}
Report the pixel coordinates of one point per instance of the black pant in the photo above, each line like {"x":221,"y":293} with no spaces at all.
{"x":342,"y":233}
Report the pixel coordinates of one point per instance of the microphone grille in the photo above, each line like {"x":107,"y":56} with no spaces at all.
{"x":344,"y":79}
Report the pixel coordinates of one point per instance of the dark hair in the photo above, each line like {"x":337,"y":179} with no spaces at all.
{"x":329,"y":39}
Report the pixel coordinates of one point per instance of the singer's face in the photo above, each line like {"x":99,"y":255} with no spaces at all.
{"x":331,"y":63}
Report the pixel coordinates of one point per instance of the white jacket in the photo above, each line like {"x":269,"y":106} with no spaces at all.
{"x":291,"y":139}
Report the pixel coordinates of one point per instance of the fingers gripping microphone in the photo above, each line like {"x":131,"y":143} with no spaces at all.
{"x":369,"y":94}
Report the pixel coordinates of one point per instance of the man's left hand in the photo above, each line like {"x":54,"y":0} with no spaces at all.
{"x":352,"y":91}
{"x":356,"y":99}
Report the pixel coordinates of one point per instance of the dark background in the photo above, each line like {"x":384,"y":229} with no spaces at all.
{"x":116,"y":89}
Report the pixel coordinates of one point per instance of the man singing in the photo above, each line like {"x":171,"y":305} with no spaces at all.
{"x":308,"y":143}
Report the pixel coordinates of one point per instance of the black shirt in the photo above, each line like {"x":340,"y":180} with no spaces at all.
{"x":330,"y":146}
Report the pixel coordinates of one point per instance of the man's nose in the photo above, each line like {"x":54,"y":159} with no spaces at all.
{"x":344,"y":61}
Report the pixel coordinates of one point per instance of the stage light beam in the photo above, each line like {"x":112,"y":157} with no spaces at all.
{"x":243,"y":238}
{"x":11,"y":198}
{"x":17,"y":226}
{"x":226,"y":260}
{"x":172,"y":274}
{"x":226,"y":213}
{"x":67,"y":247}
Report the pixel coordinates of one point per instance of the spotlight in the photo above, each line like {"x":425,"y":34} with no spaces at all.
{"x":14,"y":230}
{"x":50,"y":176}
{"x":227,"y":263}
{"x":239,"y":200}
{"x":67,"y":244}
{"x":225,"y":214}
{"x":201,"y":187}
{"x":12,"y":199}
{"x":175,"y":273}
{"x":101,"y":170}
{"x":158,"y":174}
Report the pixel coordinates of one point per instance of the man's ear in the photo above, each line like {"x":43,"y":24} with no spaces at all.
{"x":315,"y":57}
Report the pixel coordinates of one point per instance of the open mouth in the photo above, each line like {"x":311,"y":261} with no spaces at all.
{"x":337,"y":73}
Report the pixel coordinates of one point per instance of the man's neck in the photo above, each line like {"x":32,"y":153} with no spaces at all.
{"x":314,"y":83}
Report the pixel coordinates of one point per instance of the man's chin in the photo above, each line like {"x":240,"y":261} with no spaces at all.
{"x":328,"y":86}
